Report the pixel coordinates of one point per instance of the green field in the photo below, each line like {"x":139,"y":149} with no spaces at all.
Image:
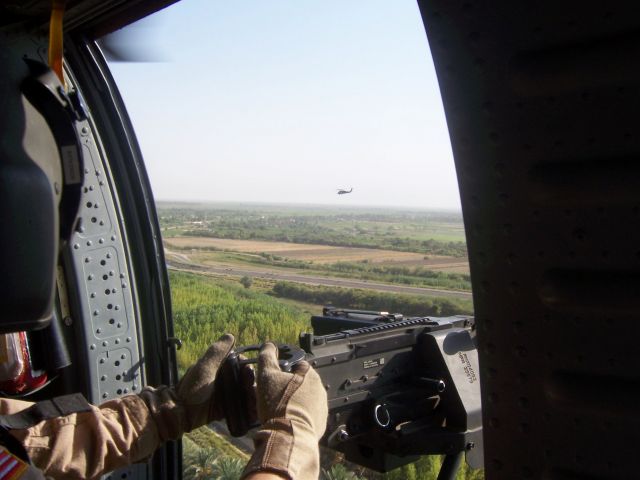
{"x":204,"y":308}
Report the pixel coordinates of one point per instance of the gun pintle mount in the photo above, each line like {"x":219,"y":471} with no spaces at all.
{"x":397,"y":387}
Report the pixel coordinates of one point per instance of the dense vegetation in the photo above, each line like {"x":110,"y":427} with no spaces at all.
{"x":204,"y":308}
{"x":431,"y":233}
{"x":418,"y":276}
{"x":207,"y":455}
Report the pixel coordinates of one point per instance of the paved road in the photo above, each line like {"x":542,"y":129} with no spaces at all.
{"x":314,"y":280}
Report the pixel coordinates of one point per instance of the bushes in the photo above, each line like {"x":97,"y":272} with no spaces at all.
{"x":204,"y":309}
{"x":401,"y":274}
{"x":246,"y":281}
{"x":363,"y":270}
{"x":207,"y":455}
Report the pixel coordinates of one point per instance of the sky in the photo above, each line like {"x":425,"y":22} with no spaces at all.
{"x":286,"y":101}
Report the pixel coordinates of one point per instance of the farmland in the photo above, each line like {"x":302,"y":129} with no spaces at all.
{"x":424,"y":232}
{"x":320,"y":254}
{"x":200,"y":236}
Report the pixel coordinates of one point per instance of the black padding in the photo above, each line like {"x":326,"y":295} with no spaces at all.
{"x":28,"y":242}
{"x":41,"y":173}
{"x":28,"y":204}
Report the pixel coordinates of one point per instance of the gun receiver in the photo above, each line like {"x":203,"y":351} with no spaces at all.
{"x":397,"y":387}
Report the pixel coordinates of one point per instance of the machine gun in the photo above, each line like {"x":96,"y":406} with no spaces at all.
{"x":397,"y":387}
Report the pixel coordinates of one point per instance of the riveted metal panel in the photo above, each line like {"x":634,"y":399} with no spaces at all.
{"x":98,"y":258}
{"x":106,"y":312}
{"x":136,"y":218}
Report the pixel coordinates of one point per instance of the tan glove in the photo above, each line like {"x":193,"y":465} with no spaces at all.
{"x":292,"y":408}
{"x":191,"y":403}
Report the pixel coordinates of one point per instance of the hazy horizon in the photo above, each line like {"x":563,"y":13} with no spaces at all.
{"x":287,"y":102}
{"x":333,"y":206}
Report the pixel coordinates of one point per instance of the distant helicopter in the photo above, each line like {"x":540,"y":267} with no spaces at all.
{"x":342,"y":191}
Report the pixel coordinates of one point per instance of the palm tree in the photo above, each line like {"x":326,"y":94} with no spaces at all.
{"x":227,"y":468}
{"x":200,"y":463}
{"x":339,"y":472}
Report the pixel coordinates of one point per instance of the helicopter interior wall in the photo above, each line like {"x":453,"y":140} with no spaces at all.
{"x":541,"y":103}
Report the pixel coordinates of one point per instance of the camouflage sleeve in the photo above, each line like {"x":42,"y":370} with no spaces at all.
{"x":9,"y":406}
{"x":89,"y":444}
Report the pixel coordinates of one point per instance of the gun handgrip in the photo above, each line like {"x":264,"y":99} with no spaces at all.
{"x":288,"y":356}
{"x":231,"y":391}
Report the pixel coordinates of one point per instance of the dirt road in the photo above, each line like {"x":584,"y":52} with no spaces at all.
{"x":320,"y":254}
{"x":313,"y":279}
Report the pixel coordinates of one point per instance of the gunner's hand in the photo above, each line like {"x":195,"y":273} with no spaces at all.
{"x":191,"y":403}
{"x":293,"y":410}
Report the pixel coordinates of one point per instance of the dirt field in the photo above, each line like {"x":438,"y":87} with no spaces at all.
{"x":322,"y":253}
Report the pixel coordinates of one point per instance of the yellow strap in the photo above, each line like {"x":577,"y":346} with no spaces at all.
{"x":55,"y":38}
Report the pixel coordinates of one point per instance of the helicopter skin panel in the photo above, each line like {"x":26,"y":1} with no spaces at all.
{"x":541,"y":102}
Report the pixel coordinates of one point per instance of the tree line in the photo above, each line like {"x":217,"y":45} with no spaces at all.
{"x":336,"y":239}
{"x":409,"y":305}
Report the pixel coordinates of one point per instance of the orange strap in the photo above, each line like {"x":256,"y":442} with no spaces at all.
{"x":55,"y":38}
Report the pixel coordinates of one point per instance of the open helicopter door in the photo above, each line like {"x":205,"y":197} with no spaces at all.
{"x":112,"y":302}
